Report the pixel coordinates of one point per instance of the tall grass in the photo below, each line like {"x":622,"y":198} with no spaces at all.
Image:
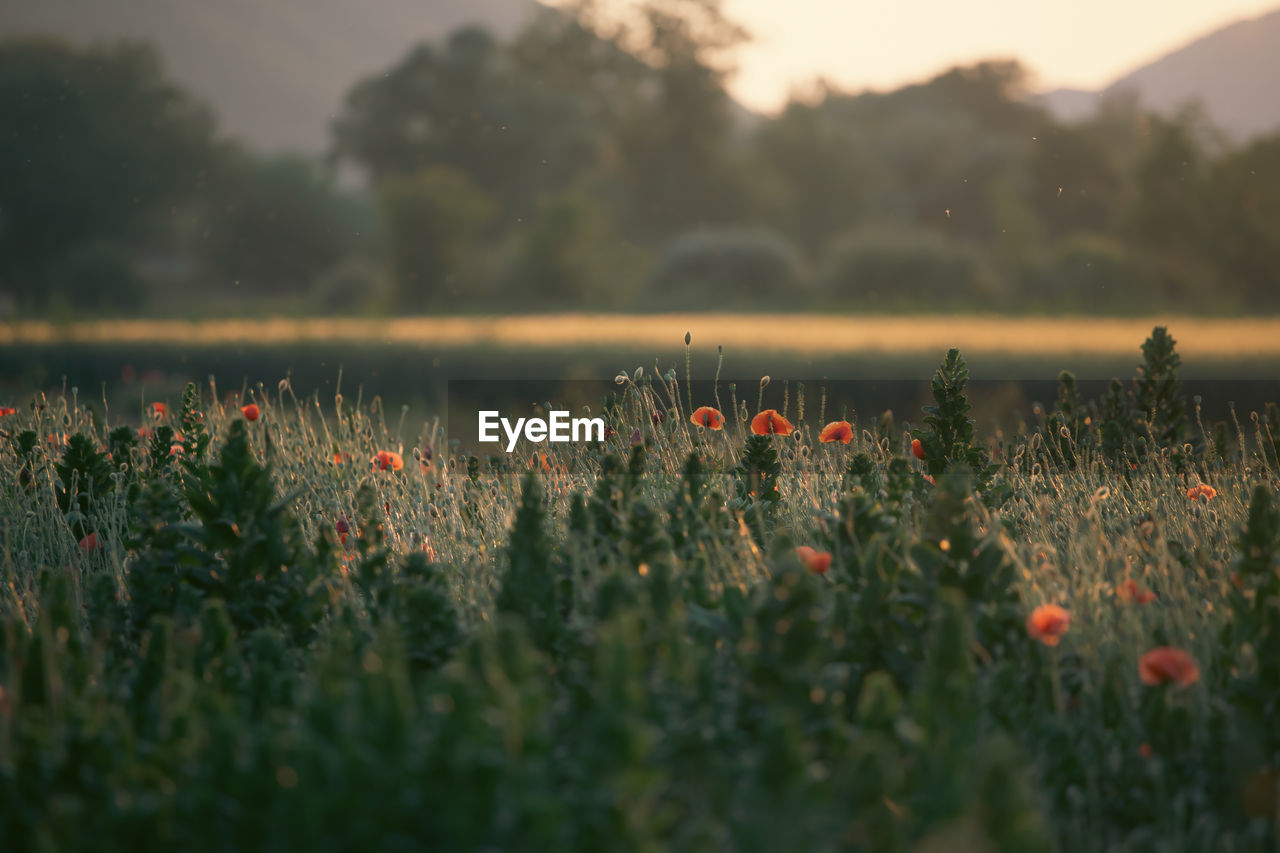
{"x":261,"y":640}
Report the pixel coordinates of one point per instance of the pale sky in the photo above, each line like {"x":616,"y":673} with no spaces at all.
{"x":880,"y":44}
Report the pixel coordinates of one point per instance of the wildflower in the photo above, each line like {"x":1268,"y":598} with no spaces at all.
{"x":1167,"y":665}
{"x":343,"y":527}
{"x":1129,"y":592}
{"x":177,"y":450}
{"x":609,"y":432}
{"x":159,"y":410}
{"x":636,"y":438}
{"x":1047,"y":623}
{"x":769,"y":422}
{"x":90,"y":543}
{"x":5,"y":411}
{"x":250,"y":412}
{"x":815,"y":561}
{"x":1145,"y":750}
{"x":387,"y":460}
{"x":841,"y":431}
{"x":1202,"y":490}
{"x":917,"y":449}
{"x":340,"y":456}
{"x":706,"y":416}
{"x":658,"y":417}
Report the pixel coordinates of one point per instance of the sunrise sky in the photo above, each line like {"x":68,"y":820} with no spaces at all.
{"x":877,"y":44}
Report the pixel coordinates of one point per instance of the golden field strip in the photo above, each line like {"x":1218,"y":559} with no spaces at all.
{"x":796,"y":333}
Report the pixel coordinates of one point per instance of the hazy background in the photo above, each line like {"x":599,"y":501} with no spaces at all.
{"x":397,"y":157}
{"x":388,"y":165}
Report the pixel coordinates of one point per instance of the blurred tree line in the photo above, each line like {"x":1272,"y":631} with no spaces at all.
{"x":599,"y":162}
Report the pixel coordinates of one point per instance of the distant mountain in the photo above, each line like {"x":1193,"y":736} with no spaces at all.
{"x":1234,"y":72}
{"x":276,"y":71}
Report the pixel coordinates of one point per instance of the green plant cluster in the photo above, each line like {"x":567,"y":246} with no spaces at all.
{"x":240,"y":635}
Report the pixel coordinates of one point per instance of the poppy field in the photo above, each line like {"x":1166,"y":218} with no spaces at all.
{"x":291,"y":623}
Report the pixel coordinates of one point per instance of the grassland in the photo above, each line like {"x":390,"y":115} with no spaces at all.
{"x":235,"y":633}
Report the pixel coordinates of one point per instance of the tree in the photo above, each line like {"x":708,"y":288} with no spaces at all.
{"x":673,"y":141}
{"x":512,"y":119}
{"x":98,"y":144}
{"x":276,"y":224}
{"x":1244,"y":215}
{"x":434,"y":221}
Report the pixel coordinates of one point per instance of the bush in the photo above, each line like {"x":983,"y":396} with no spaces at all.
{"x":1083,"y":270}
{"x":701,"y":268}
{"x":356,"y":284}
{"x":100,"y":275}
{"x":906,"y":268}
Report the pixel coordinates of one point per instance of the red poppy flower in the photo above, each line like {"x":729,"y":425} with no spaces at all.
{"x":5,"y":411}
{"x":90,"y":543}
{"x":250,"y":412}
{"x":159,"y":410}
{"x":841,"y":431}
{"x":769,"y":422}
{"x":177,"y":450}
{"x":1047,"y":623}
{"x":343,"y":528}
{"x":706,"y":416}
{"x":815,"y":561}
{"x":340,"y":456}
{"x":917,"y":449}
{"x":1167,"y":665}
{"x":387,"y":460}
{"x":1202,"y":490}
{"x":1129,"y":591}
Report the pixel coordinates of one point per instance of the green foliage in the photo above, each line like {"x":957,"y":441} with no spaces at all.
{"x":594,"y":654}
{"x":531,"y":588}
{"x":901,"y":269}
{"x":948,"y":441}
{"x":434,"y":219}
{"x":84,"y":483}
{"x":695,"y":268}
{"x":1158,"y":394}
{"x":70,"y":223}
{"x":756,"y":484}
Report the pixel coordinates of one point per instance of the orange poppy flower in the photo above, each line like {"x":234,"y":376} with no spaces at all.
{"x":159,"y":410}
{"x":1167,"y":665}
{"x":1129,"y":591}
{"x":841,"y":431}
{"x":177,"y":450}
{"x":90,"y":543}
{"x":917,"y":449}
{"x":1202,"y":490}
{"x":815,"y":561}
{"x":250,"y":412}
{"x":769,"y":422}
{"x":1047,"y":623}
{"x":5,"y":411}
{"x":706,"y":416}
{"x":340,"y":456}
{"x":387,"y":460}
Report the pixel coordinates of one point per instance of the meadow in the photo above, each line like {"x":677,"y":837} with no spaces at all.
{"x":268,"y":619}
